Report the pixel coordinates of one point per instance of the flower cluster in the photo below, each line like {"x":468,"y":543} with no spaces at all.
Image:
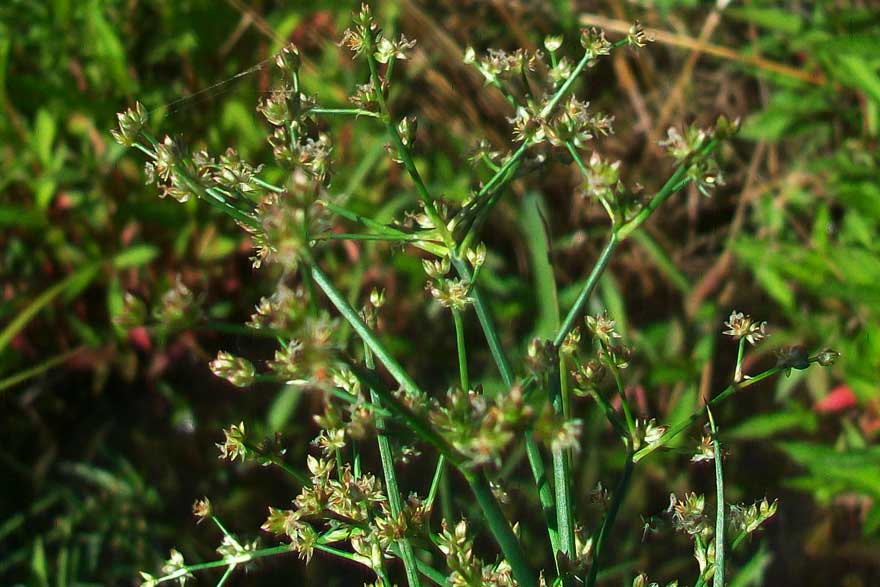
{"x":467,"y":569}
{"x":647,"y":432}
{"x":178,"y":307}
{"x":480,"y":427}
{"x":236,"y":370}
{"x":688,"y":515}
{"x":283,"y":311}
{"x":131,"y":123}
{"x":746,"y":519}
{"x":309,"y":358}
{"x":740,"y":325}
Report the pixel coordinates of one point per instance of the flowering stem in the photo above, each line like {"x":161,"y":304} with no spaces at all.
{"x":678,"y":428}
{"x":500,"y":528}
{"x":406,"y":550}
{"x":245,"y":557}
{"x":345,"y":111}
{"x":491,"y":510}
{"x":737,"y":373}
{"x":533,"y":451}
{"x":608,"y":522}
{"x":675,"y":182}
{"x":405,"y":155}
{"x":718,"y":580}
{"x":580,"y":305}
{"x":586,"y":172}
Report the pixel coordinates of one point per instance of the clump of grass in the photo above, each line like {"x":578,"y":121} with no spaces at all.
{"x":362,"y":516}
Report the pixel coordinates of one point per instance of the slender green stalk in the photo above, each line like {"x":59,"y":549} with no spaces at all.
{"x":406,"y":156}
{"x":500,"y":528}
{"x":424,"y":244}
{"x":37,"y":369}
{"x":227,"y":561}
{"x":675,"y":182}
{"x":577,"y":310}
{"x":406,"y":550}
{"x":435,"y":482}
{"x":364,"y":331}
{"x":718,"y":580}
{"x":533,"y":451}
{"x":611,"y":516}
{"x":344,"y":111}
{"x":368,"y":237}
{"x":226,"y":574}
{"x":624,"y":402}
{"x":491,"y":510}
{"x":464,"y":380}
{"x":737,"y":372}
{"x":679,"y":427}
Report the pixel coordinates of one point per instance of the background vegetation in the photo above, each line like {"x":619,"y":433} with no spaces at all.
{"x":109,"y":433}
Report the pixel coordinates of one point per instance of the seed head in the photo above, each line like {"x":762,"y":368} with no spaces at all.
{"x":236,"y":370}
{"x":131,"y":123}
{"x":234,"y":445}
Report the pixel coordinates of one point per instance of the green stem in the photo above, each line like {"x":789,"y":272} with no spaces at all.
{"x":464,"y":380}
{"x":233,"y":560}
{"x":368,"y":237}
{"x":718,"y":580}
{"x":406,"y":156}
{"x":577,"y":310}
{"x":624,"y":403}
{"x":226,"y":574}
{"x":675,"y":182}
{"x":426,"y":245}
{"x":501,"y":529}
{"x":37,"y":369}
{"x":533,"y":451}
{"x":737,"y":372}
{"x":386,"y":456}
{"x":345,"y":111}
{"x":611,"y":516}
{"x":678,"y":428}
{"x":435,"y":482}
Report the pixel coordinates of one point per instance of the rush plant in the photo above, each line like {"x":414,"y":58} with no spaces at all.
{"x":363,"y":516}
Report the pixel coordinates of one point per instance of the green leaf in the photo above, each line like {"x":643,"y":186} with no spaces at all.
{"x":778,"y":19}
{"x":283,"y":407}
{"x":39,"y":567}
{"x":858,"y":73}
{"x":770,"y":424}
{"x":44,"y":136}
{"x":853,"y":470}
{"x":135,"y":256}
{"x":537,"y":239}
